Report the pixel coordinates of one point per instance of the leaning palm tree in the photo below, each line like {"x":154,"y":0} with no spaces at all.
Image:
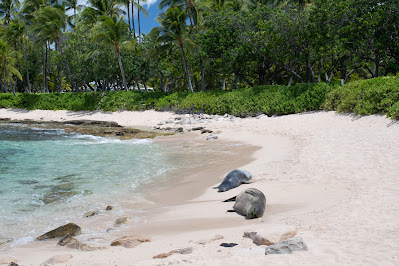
{"x":111,"y":32}
{"x":16,"y":34}
{"x":8,"y":60}
{"x":173,"y":30}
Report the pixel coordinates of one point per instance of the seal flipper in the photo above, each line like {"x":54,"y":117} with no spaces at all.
{"x":231,"y":211}
{"x":230,"y":199}
{"x":215,"y":187}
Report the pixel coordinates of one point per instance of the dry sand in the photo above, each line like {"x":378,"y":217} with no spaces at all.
{"x":334,"y":177}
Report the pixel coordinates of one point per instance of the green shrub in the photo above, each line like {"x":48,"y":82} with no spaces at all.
{"x":364,"y":97}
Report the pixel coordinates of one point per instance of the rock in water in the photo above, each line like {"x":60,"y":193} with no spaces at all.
{"x":4,"y":240}
{"x":250,"y":203}
{"x":120,"y":221}
{"x":234,"y":179}
{"x":72,"y":242}
{"x":71,"y":229}
{"x":287,"y":247}
{"x":130,"y":241}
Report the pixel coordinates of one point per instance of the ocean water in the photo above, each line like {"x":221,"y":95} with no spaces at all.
{"x":49,"y":177}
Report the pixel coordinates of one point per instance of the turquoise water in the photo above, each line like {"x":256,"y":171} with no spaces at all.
{"x":50,"y":177}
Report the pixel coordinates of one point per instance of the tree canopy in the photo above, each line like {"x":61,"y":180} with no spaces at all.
{"x":200,"y":45}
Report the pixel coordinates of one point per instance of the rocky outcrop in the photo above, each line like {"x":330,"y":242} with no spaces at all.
{"x":68,"y":229}
{"x":271,"y":235}
{"x":89,"y":127}
{"x":183,"y":251}
{"x":287,"y":247}
{"x":250,"y":203}
{"x":130,"y":241}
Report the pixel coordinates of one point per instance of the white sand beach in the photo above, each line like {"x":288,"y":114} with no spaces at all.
{"x":333,"y":177}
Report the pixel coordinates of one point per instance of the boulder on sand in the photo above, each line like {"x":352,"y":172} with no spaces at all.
{"x":71,"y":229}
{"x":72,"y":242}
{"x":130,"y":241}
{"x":250,"y":203}
{"x":272,"y":234}
{"x":287,"y":247}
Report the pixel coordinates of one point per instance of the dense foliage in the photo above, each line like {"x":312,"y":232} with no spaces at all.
{"x":374,"y":96}
{"x":203,"y":45}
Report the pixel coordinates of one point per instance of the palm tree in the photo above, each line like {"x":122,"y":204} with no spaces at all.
{"x":142,"y":9}
{"x":111,"y":32}
{"x":16,"y":33}
{"x":173,"y":30}
{"x":98,"y":8}
{"x":7,"y":8}
{"x":8,"y":60}
{"x":48,"y":25}
{"x":72,"y":4}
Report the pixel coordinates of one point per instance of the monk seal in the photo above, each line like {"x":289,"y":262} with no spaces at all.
{"x":234,"y":179}
{"x":250,"y":203}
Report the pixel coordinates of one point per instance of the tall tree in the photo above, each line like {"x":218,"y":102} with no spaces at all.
{"x":16,"y":34}
{"x":7,"y":8}
{"x":8,"y":60}
{"x":111,"y":32}
{"x":173,"y":30}
{"x":48,"y":26}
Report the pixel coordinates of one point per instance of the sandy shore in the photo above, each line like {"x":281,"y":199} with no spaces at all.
{"x":333,"y":177}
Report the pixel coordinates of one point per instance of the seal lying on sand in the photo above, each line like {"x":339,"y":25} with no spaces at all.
{"x":234,"y":179}
{"x":250,"y":203}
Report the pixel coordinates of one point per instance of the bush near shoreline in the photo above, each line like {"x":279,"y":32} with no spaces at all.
{"x":362,"y":97}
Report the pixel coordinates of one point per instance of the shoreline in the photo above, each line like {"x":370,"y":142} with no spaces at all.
{"x":320,"y":172}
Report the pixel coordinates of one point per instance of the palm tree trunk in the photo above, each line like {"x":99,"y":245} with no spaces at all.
{"x":138,"y":17}
{"x":67,"y":66}
{"x":9,"y":78}
{"x":134,"y":30}
{"x":44,"y":68}
{"x":128,"y":15}
{"x":224,"y":83}
{"x":122,"y":70}
{"x":186,"y":69}
{"x":202,"y":74}
{"x":26,"y":66}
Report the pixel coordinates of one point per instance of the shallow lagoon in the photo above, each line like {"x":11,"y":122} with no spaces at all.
{"x":49,"y":177}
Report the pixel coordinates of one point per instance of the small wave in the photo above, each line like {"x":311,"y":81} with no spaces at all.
{"x":22,"y":241}
{"x":94,"y":140}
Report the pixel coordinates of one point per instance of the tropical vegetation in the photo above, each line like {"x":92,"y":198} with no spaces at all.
{"x":215,"y":48}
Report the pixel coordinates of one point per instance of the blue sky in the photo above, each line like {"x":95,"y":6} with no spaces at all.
{"x":146,"y":23}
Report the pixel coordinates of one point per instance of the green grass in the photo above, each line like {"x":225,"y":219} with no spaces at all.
{"x":363,"y":97}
